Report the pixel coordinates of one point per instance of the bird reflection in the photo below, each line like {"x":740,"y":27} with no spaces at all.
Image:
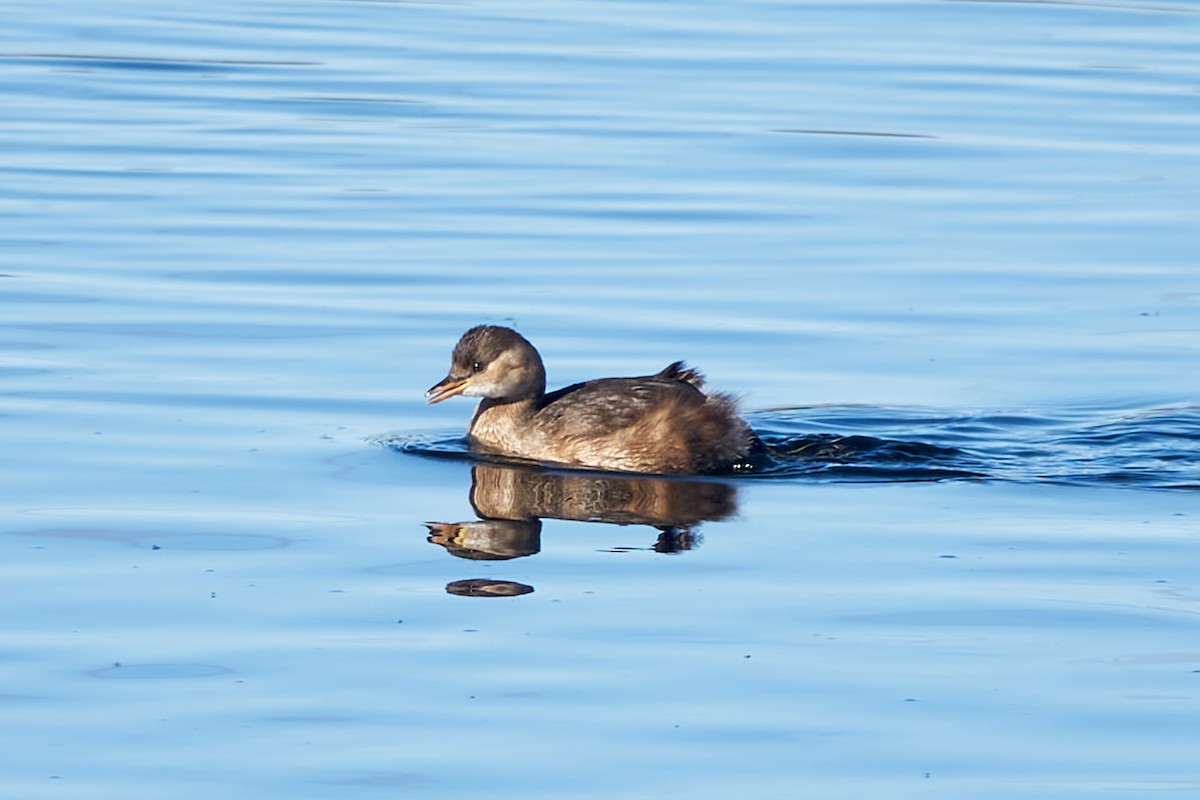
{"x":511,"y":502}
{"x":488,"y":539}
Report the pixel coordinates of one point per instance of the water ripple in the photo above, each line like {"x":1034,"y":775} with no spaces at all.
{"x":1144,"y":448}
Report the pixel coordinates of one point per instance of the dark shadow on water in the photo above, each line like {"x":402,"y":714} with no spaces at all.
{"x":857,"y":457}
{"x":1150,"y":448}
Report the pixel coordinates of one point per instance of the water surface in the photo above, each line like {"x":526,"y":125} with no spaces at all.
{"x":944,"y":252}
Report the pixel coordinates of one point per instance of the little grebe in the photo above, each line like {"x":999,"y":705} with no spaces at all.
{"x":659,"y":423}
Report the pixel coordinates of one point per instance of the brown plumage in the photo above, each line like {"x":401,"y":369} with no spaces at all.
{"x":661,"y":423}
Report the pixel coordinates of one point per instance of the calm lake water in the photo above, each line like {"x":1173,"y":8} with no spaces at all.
{"x":240,"y":556}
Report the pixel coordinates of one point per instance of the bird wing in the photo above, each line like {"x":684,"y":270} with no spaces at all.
{"x":610,"y":404}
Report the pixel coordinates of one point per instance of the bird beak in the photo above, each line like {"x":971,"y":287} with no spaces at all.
{"x":449,"y":387}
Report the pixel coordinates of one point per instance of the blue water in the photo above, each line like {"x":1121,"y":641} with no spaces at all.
{"x":944,"y":252}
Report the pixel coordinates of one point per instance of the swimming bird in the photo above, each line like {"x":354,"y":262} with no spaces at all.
{"x":662,"y":423}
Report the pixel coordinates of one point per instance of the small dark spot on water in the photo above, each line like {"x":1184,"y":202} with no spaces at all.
{"x":486,"y":587}
{"x":158,"y":671}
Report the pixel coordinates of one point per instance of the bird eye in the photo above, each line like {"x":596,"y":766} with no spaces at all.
{"x":477,"y":367}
